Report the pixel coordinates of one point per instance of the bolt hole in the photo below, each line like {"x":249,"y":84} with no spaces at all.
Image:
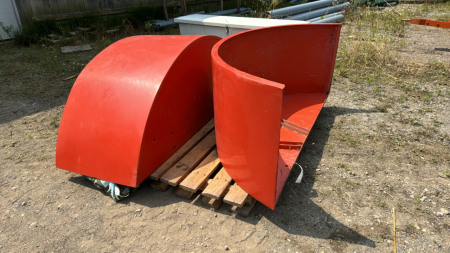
{"x":171,"y":133}
{"x":154,"y":139}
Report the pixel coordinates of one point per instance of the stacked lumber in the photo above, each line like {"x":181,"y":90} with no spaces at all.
{"x":195,"y":168}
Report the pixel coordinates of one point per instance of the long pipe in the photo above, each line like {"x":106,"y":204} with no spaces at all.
{"x":313,"y":20}
{"x":228,"y":12}
{"x":333,"y":19}
{"x":300,"y":8}
{"x":319,"y":12}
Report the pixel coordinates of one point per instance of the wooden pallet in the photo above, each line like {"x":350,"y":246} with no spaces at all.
{"x":195,"y":167}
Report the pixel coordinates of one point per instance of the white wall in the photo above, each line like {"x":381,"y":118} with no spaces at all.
{"x":9,"y":16}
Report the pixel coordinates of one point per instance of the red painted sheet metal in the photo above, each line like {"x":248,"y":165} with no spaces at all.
{"x":261,"y":78}
{"x":134,"y":105}
{"x":428,"y":22}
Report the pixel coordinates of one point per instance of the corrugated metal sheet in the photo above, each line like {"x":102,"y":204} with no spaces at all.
{"x":8,"y":16}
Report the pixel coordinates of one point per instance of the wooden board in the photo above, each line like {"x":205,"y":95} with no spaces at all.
{"x":40,"y":8}
{"x":218,"y":185}
{"x":246,"y":209}
{"x":236,"y":196}
{"x":75,"y":6}
{"x":160,"y":186}
{"x":58,"y":6}
{"x":181,"y":152}
{"x":201,"y":173}
{"x":213,"y":203}
{"x":184,"y":194}
{"x":181,"y":169}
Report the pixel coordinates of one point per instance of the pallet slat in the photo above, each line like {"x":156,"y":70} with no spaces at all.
{"x":160,"y":186}
{"x":184,"y":194}
{"x":182,"y":168}
{"x":246,"y":209}
{"x":200,"y":175}
{"x":236,"y":196}
{"x":181,"y":152}
{"x":214,"y":203}
{"x":218,"y":185}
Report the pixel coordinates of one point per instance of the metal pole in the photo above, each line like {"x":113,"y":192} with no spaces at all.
{"x":292,"y":10}
{"x":319,"y":12}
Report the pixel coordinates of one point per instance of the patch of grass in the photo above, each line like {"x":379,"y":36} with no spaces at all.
{"x":342,"y":165}
{"x":446,"y":174}
{"x":349,"y":139}
{"x":368,"y":51}
{"x":41,"y":158}
{"x":54,"y":121}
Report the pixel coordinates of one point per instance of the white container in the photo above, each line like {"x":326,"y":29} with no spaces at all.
{"x":223,"y":26}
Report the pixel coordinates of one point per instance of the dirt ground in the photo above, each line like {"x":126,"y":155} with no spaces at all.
{"x":375,"y":147}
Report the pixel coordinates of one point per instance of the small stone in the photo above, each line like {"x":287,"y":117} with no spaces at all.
{"x":59,"y":206}
{"x":137,"y":210}
{"x":411,"y":196}
{"x":16,"y":206}
{"x":24,"y":203}
{"x":1,"y":246}
{"x":15,"y":187}
{"x":34,"y":224}
{"x":423,"y":198}
{"x":424,"y":230}
{"x":226,"y":248}
{"x":66,"y":197}
{"x":367,"y":173}
{"x":444,"y":211}
{"x":440,"y":214}
{"x":215,"y":215}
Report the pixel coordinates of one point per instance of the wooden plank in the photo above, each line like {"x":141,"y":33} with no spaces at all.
{"x":247,"y":208}
{"x":25,"y":11}
{"x":184,"y":194}
{"x":235,"y":196}
{"x":113,"y":4}
{"x":200,"y":175}
{"x":218,"y":185}
{"x":181,"y":169}
{"x":91,"y":5}
{"x":160,"y":186}
{"x":214,"y":203}
{"x":75,"y":6}
{"x":59,"y":6}
{"x":133,"y":3}
{"x":181,"y":152}
{"x":40,"y":7}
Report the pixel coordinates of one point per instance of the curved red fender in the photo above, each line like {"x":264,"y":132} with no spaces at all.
{"x":134,"y":105}
{"x":269,"y":87}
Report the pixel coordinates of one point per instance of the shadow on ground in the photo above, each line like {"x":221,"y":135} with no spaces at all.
{"x":295,"y":213}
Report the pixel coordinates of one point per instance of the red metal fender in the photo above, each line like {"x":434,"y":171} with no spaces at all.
{"x":269,"y":87}
{"x":134,"y":105}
